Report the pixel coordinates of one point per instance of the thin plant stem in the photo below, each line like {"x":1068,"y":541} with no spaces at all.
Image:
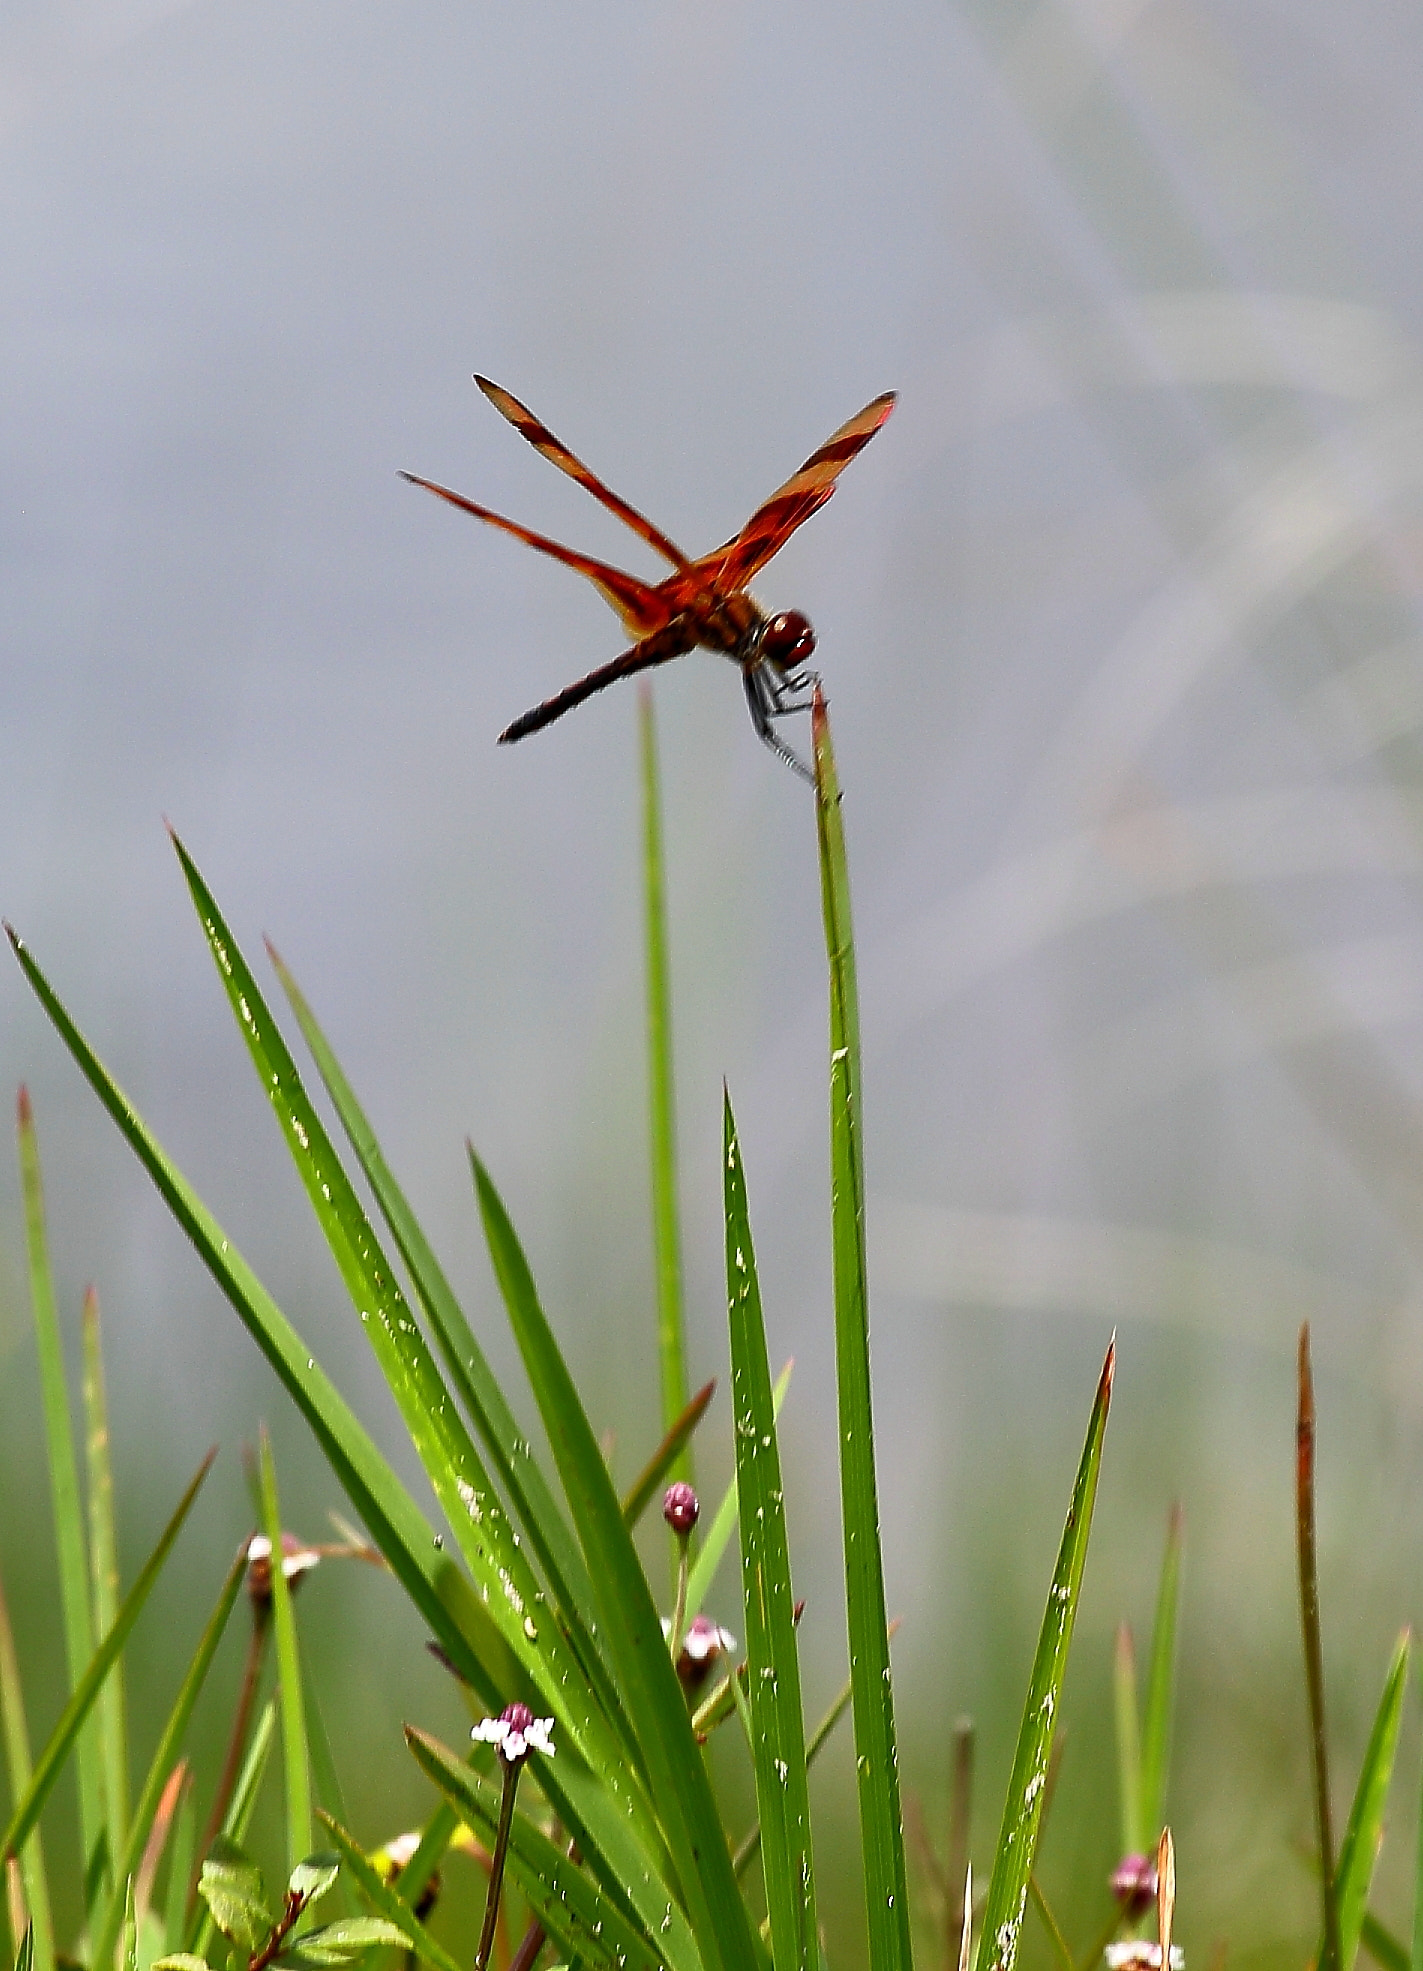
{"x":237,"y":1740}
{"x":1313,"y":1649}
{"x":496,"y":1865}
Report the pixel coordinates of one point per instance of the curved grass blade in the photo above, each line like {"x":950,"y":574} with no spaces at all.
{"x":667,"y":1241}
{"x":104,"y":1563}
{"x":630,"y":1622}
{"x":19,"y":1770}
{"x":566,"y":1901}
{"x":876,"y":1757}
{"x":777,"y":1723}
{"x":658,"y":1470}
{"x":28,"y":1806}
{"x":1022,"y":1811}
{"x":69,"y":1541}
{"x":488,"y":1543}
{"x":163,"y":1761}
{"x":384,"y":1900}
{"x":1161,"y":1683}
{"x":1363,"y":1837}
{"x":295,"y":1763}
{"x":723,"y":1524}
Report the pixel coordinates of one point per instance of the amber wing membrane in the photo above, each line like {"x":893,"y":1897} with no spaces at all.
{"x":737,"y":562}
{"x":553,"y":449}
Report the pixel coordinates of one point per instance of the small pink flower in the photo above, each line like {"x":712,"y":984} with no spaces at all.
{"x":517,"y":1733}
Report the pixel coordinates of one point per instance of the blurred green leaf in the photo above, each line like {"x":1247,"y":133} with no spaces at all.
{"x":232,"y":1886}
{"x":1161,"y":1685}
{"x":27,"y":1844}
{"x":773,"y":1664}
{"x":1358,"y":1852}
{"x":876,"y":1756}
{"x":341,"y":1942}
{"x":1128,"y":1734}
{"x":1022,"y":1810}
{"x":104,"y":1563}
{"x":295,"y":1762}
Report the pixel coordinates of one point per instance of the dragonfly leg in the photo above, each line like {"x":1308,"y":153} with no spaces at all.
{"x":768,"y":699}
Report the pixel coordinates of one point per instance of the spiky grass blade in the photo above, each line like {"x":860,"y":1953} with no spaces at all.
{"x":29,"y":1803}
{"x":876,"y":1757}
{"x":20,"y":1773}
{"x":662,"y":1108}
{"x":777,"y":1723}
{"x":385,"y":1902}
{"x":164,"y":1759}
{"x":296,"y":1763}
{"x":1022,"y":1812}
{"x":104,"y":1561}
{"x":717,"y":1537}
{"x":1363,"y":1836}
{"x":1161,"y":1683}
{"x":570,"y":1906}
{"x":70,"y":1546}
{"x":629,"y":1618}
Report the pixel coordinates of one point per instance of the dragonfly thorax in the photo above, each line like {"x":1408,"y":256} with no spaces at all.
{"x":787,"y":641}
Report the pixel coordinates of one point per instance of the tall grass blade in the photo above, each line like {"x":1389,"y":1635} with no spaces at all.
{"x":1128,"y":1733}
{"x":28,"y":1804}
{"x":773,"y":1672}
{"x":20,"y":1773}
{"x":662,"y":1107}
{"x":104,"y":1561}
{"x":630,"y":1623}
{"x":164,"y":1759}
{"x":1363,"y":1836}
{"x":717,"y":1537}
{"x":290,"y":1696}
{"x":1161,"y":1683}
{"x":876,"y":1756}
{"x":69,"y":1542}
{"x":1023,"y":1809}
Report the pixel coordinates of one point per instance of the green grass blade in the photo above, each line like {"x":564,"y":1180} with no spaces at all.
{"x":295,"y":1764}
{"x":326,"y":1782}
{"x":487,"y":1541}
{"x":20,"y":1772}
{"x":667,"y":1240}
{"x":876,"y":1757}
{"x":630,"y":1622}
{"x":164,"y":1759}
{"x":1383,"y":1947}
{"x":180,"y":1858}
{"x":1161,"y":1684}
{"x":384,"y":1900}
{"x":778,"y":1727}
{"x":717,"y":1537}
{"x":1128,"y":1733}
{"x":241,"y":1808}
{"x":1359,"y":1850}
{"x":657,"y":1473}
{"x":29,"y":1803}
{"x":1022,"y":1811}
{"x":104,"y":1560}
{"x":70,"y":1547}
{"x":566,"y":1901}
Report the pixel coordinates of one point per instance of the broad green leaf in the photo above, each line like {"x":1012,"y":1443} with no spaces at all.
{"x":876,"y":1757}
{"x":341,"y":1942}
{"x":31,"y":1799}
{"x":662,"y":1108}
{"x":104,"y":1562}
{"x":181,"y":1960}
{"x":240,"y":1811}
{"x":386,"y":1902}
{"x":630,"y":1622}
{"x":773,"y":1665}
{"x":1363,"y":1836}
{"x":19,"y":1770}
{"x":565,"y":1899}
{"x":164,"y":1759}
{"x":1022,"y":1811}
{"x":314,"y":1876}
{"x":295,"y":1764}
{"x":1161,"y":1685}
{"x":69,"y":1542}
{"x":232,"y":1886}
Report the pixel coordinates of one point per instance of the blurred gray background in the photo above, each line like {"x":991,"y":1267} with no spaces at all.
{"x":1119,"y":621}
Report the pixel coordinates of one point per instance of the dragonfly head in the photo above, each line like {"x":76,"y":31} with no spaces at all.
{"x":787,"y":641}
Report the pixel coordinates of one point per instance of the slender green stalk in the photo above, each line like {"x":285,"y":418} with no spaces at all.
{"x":104,"y":1559}
{"x":289,"y":1686}
{"x":1133,"y":1836}
{"x":20,"y":1771}
{"x":1329,"y":1957}
{"x":1161,"y":1681}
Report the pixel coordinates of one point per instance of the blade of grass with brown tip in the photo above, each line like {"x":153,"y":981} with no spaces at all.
{"x":641,"y":1492}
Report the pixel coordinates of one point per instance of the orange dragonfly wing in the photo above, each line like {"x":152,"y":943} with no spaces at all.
{"x":554,"y":449}
{"x":738,"y":560}
{"x":643,"y":608}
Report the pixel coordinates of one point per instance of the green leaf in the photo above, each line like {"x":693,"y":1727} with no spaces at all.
{"x":662,"y":1112}
{"x":630,"y":1622}
{"x":69,"y":1542}
{"x":31,"y":1800}
{"x":565,"y":1899}
{"x":773,"y":1673}
{"x":876,"y":1757}
{"x":1160,"y":1685}
{"x":723,"y":1523}
{"x":104,"y":1561}
{"x":231,"y":1885}
{"x":386,"y":1902}
{"x":241,"y":1808}
{"x":343,"y":1941}
{"x":295,"y":1764}
{"x":180,"y":1854}
{"x":314,"y":1876}
{"x":28,"y":1845}
{"x":162,"y":1764}
{"x":1022,"y":1811}
{"x":181,"y":1960}
{"x":1359,"y":1850}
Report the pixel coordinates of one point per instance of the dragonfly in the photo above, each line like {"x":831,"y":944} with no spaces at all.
{"x":702,"y":603}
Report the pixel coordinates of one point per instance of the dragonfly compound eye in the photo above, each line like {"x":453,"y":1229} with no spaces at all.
{"x":788,"y":641}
